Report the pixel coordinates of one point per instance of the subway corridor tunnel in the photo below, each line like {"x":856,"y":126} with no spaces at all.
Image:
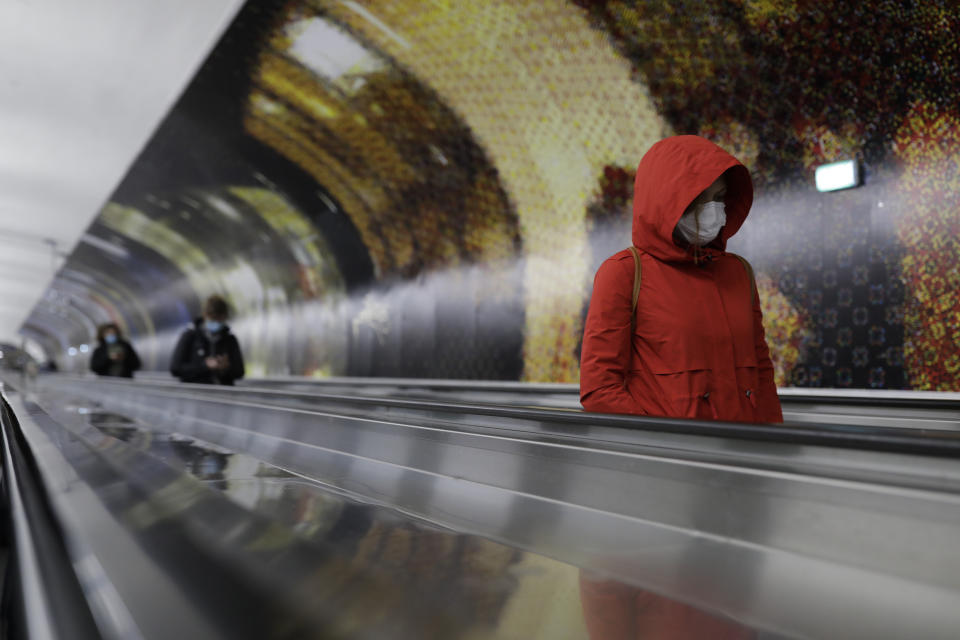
{"x":404,"y":205}
{"x":434,"y":204}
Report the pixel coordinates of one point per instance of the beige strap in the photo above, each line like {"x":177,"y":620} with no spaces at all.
{"x":636,"y":286}
{"x":753,"y":283}
{"x":637,"y":276}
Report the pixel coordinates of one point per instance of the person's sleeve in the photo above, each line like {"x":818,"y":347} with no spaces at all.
{"x":768,"y":402}
{"x":607,"y":342}
{"x":133,"y":360}
{"x":181,"y":365}
{"x":236,"y":370}
{"x":99,"y":363}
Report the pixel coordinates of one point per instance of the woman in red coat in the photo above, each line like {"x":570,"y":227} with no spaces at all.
{"x":697,"y":347}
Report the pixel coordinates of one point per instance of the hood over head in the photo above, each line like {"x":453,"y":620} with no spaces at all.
{"x":671,"y":175}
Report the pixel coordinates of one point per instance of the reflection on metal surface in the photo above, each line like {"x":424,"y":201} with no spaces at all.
{"x":771,"y":535}
{"x":615,"y":611}
{"x":512,"y":594}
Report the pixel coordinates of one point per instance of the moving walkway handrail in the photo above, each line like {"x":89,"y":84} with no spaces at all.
{"x":870,"y":397}
{"x":183,"y":560}
{"x":48,"y":598}
{"x":910,"y":441}
{"x":854,"y":397}
{"x":801,"y":536}
{"x":847,"y":396}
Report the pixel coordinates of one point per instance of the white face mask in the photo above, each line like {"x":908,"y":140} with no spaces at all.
{"x":712,"y":216}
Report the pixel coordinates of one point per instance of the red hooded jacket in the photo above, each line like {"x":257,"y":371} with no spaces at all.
{"x":698,"y":349}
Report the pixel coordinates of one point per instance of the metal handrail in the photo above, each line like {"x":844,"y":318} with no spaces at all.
{"x":940,"y":443}
{"x":769,"y":508}
{"x":854,"y":397}
{"x":49,"y":602}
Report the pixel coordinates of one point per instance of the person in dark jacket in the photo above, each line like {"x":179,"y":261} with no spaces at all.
{"x":208,"y":353}
{"x":113,"y":356}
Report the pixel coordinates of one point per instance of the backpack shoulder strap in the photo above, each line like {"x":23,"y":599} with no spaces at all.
{"x":753,"y":282}
{"x":636,"y":285}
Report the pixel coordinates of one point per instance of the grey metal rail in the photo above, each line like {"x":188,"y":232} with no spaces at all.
{"x":886,"y":397}
{"x":44,"y":598}
{"x":790,"y":537}
{"x":542,"y":421}
{"x":160,"y":555}
{"x":854,"y":407}
{"x":927,"y":410}
{"x":921,"y":410}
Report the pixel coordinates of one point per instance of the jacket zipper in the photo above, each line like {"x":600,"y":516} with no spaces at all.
{"x":752,"y":398}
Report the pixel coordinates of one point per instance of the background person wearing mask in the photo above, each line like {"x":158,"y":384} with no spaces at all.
{"x":113,"y":356}
{"x":208,"y":353}
{"x":696,"y":346}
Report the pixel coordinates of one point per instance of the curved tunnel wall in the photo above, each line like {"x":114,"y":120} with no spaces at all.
{"x":415,"y":190}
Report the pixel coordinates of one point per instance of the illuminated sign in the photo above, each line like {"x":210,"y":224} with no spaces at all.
{"x":838,"y":175}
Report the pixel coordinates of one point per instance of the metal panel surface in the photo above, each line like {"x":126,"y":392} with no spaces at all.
{"x":161,"y":555}
{"x":800,"y":540}
{"x":923,"y":411}
{"x":158,"y":487}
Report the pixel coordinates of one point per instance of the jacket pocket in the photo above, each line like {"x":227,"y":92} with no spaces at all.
{"x":688,"y":393}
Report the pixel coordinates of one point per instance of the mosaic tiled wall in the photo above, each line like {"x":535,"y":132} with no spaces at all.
{"x":427,"y":188}
{"x":858,"y":287}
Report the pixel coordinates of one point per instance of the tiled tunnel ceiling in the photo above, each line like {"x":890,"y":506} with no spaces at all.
{"x":82,"y":87}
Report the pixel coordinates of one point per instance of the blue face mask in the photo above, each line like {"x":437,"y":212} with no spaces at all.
{"x":111,"y":338}
{"x":212,"y":325}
